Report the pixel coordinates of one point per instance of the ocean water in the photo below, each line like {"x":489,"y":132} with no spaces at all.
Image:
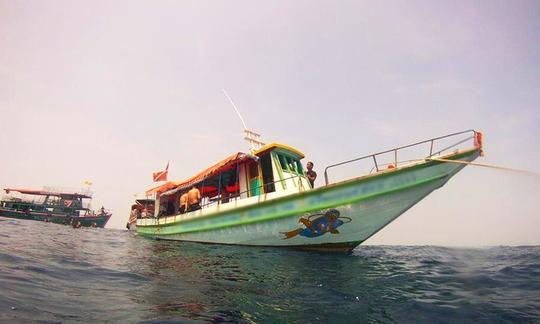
{"x":57,"y":274}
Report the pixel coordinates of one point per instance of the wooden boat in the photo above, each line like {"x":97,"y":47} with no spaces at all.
{"x":265,"y":199}
{"x":60,"y":206}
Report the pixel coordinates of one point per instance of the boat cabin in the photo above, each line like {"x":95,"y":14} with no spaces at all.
{"x":143,"y":208}
{"x":272,"y":171}
{"x":48,"y":201}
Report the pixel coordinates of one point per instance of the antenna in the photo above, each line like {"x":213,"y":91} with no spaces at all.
{"x":236,"y":109}
{"x":254,"y":139}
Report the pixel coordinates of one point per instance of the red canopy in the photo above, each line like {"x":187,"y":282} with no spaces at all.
{"x":221,"y":166}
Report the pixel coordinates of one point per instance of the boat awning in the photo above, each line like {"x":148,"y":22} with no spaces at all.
{"x":162,"y":188}
{"x":170,"y":191}
{"x":172,"y":187}
{"x":46,"y":193}
{"x":144,"y":201}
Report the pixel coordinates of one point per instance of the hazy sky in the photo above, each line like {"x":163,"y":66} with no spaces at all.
{"x":112,"y":90}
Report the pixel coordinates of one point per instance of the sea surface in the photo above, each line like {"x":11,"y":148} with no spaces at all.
{"x":56,"y":274}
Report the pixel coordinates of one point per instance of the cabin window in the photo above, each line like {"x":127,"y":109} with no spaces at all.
{"x":282,"y":161}
{"x":290,"y":164}
{"x":299,"y":167}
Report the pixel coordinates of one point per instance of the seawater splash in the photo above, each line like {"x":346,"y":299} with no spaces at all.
{"x":51,"y":273}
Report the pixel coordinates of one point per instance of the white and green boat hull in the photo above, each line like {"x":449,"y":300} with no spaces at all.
{"x":335,"y":217}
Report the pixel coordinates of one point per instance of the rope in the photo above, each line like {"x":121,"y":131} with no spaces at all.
{"x":485,"y":165}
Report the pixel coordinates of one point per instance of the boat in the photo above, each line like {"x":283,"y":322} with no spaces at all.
{"x":263,"y":198}
{"x":54,"y":205}
{"x":142,"y":208}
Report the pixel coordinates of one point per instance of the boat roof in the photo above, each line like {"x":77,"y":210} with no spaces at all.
{"x":280,"y":147}
{"x":144,"y":201}
{"x":47,"y":193}
{"x":221,"y":166}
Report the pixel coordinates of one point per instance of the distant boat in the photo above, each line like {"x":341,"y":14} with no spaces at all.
{"x":142,"y":208}
{"x":64,"y":207}
{"x":265,"y":199}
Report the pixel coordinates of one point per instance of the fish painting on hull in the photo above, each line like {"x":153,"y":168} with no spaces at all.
{"x":319,"y":224}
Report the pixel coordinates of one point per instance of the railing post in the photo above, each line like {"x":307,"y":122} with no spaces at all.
{"x":219,"y":189}
{"x":431,"y":149}
{"x":395,"y":158}
{"x":375,"y":160}
{"x":326,"y":176}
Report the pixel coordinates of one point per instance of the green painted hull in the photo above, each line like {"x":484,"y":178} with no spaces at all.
{"x":335,"y":217}
{"x":99,"y":220}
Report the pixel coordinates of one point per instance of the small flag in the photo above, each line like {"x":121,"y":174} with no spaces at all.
{"x":161,"y":175}
{"x":87,"y":182}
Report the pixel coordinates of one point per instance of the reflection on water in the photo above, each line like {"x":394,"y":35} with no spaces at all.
{"x":55,"y":273}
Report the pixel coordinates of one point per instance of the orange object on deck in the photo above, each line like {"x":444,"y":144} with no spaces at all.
{"x":478,"y":142}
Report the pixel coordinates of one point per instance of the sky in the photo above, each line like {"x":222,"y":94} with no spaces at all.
{"x":110,"y":91}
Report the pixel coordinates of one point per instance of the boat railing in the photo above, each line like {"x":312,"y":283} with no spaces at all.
{"x":388,"y":159}
{"x":12,"y":198}
{"x":51,"y":202}
{"x":247,"y":193}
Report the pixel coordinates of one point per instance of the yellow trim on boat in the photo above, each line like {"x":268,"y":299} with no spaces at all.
{"x":281,"y":146}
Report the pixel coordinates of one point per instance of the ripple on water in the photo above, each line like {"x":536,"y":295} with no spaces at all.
{"x":53,"y":273}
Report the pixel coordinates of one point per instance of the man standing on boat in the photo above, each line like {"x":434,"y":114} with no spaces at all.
{"x":194,"y":198}
{"x":183,"y":203}
{"x":310,"y":174}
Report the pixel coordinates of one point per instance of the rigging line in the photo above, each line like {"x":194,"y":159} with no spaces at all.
{"x":485,"y":165}
{"x":236,"y":109}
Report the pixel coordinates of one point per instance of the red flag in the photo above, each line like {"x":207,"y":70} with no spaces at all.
{"x":161,"y":175}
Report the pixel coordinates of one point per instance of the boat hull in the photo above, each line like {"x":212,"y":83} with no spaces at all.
{"x":86,"y":221}
{"x":337,"y":217}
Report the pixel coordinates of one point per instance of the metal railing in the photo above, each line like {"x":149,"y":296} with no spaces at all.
{"x":395,"y":150}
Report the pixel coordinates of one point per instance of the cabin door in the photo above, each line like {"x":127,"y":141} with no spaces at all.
{"x":267,"y":173}
{"x":254,"y":179}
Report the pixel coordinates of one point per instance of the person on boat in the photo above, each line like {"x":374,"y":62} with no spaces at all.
{"x":224,"y":195}
{"x":194,"y":198}
{"x":162,"y":209}
{"x":77,"y":224}
{"x":310,"y":174}
{"x":146,"y":214}
{"x":183,"y":203}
